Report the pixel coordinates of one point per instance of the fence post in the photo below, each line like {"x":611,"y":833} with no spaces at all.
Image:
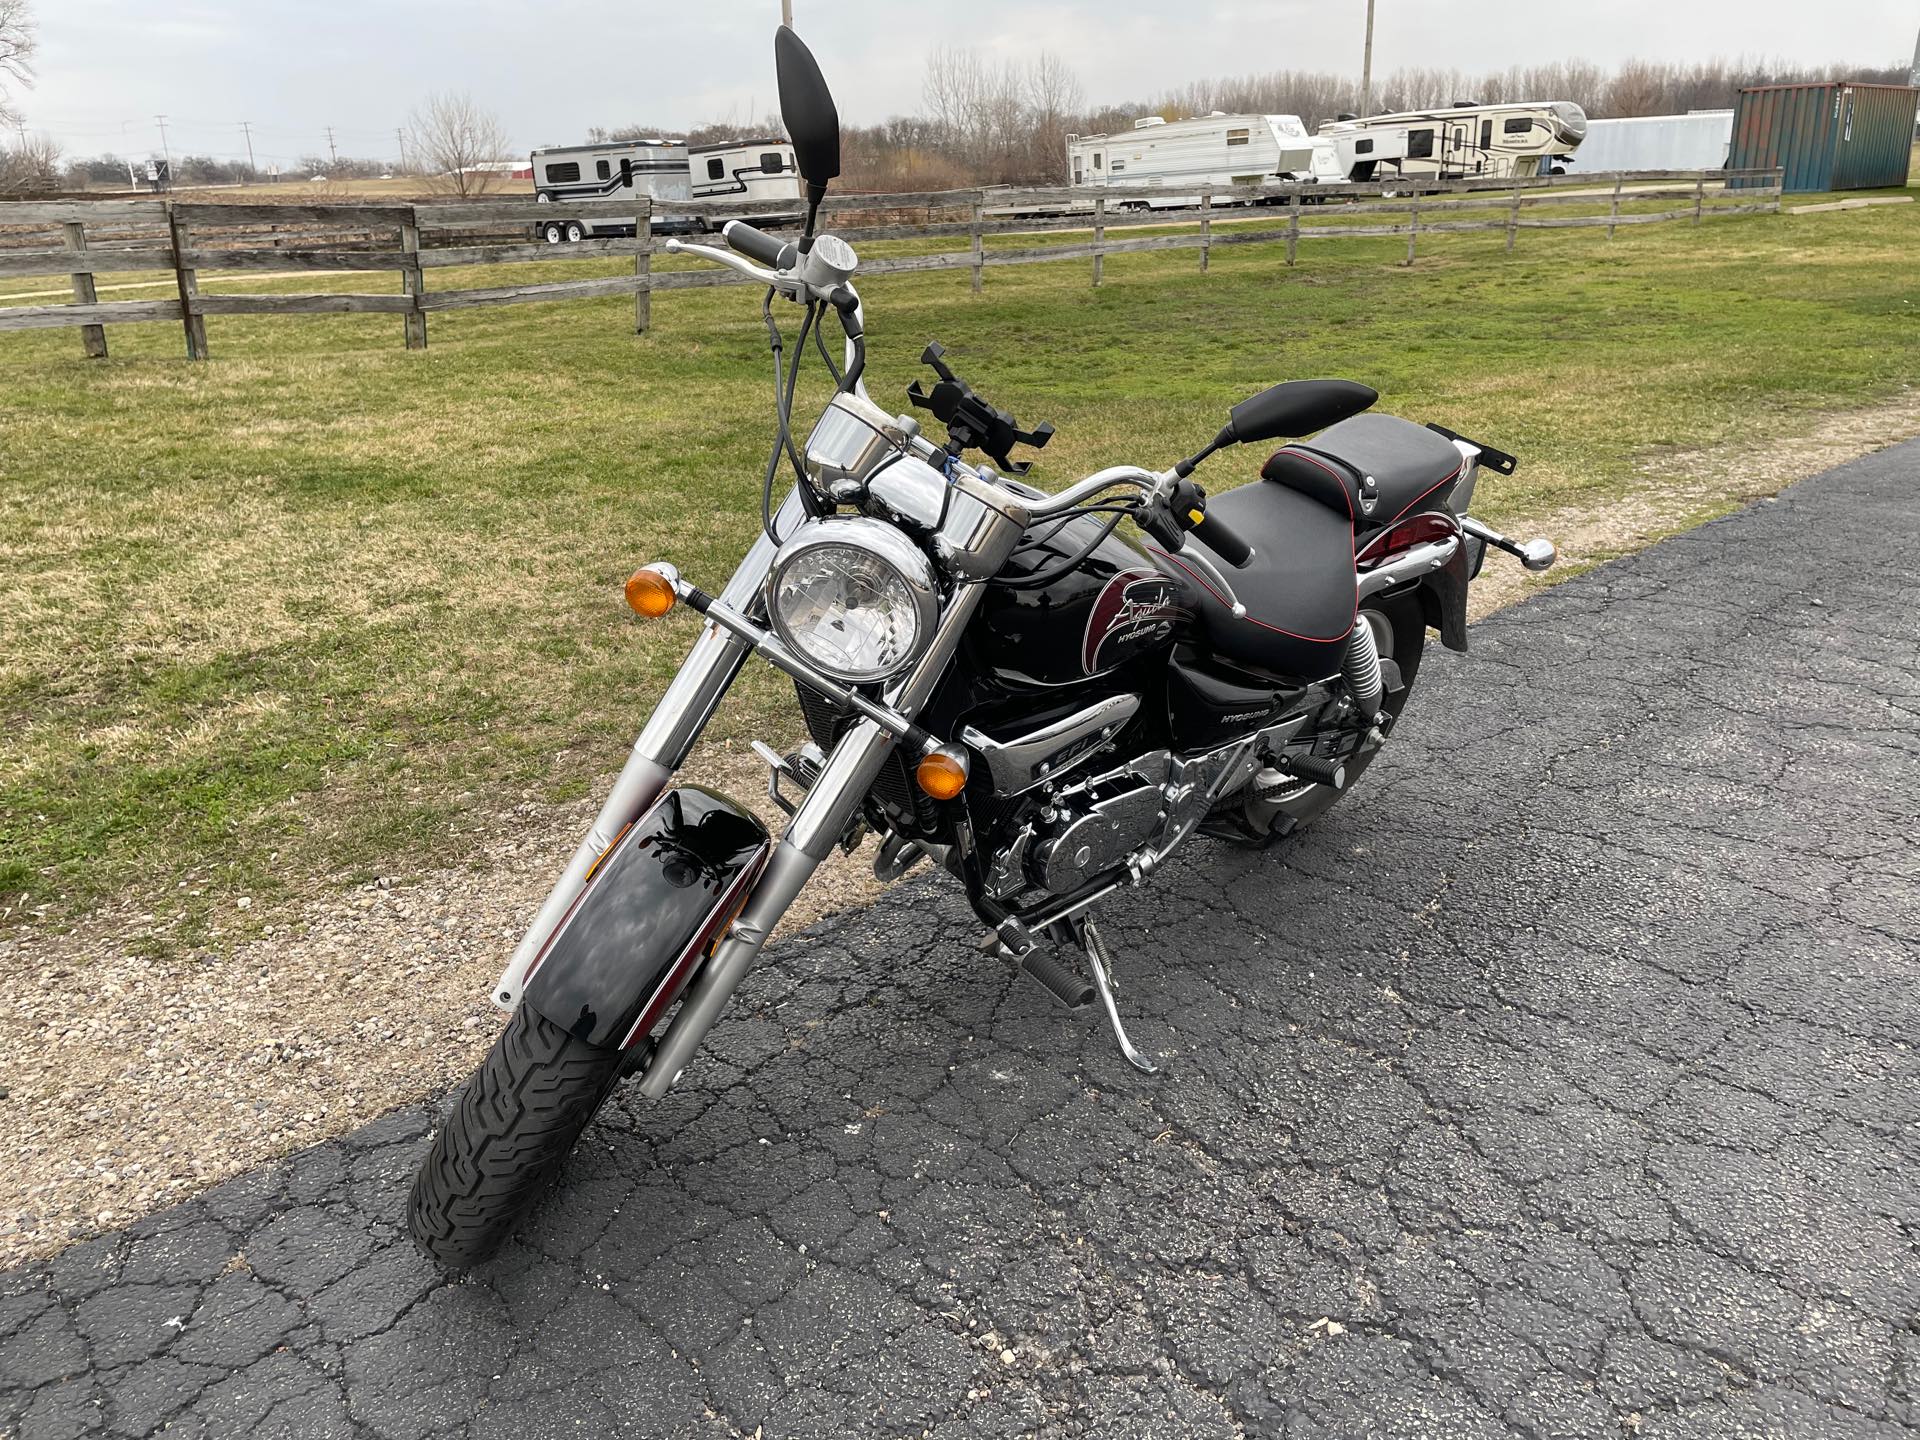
{"x":1613,"y":211}
{"x":979,"y":245}
{"x":1099,"y":234}
{"x":1413,"y":227}
{"x":1293,"y":230}
{"x":1779,"y":188}
{"x":1513,"y":219}
{"x":643,"y":269}
{"x":1699,"y":196}
{"x":189,"y":287}
{"x":412,"y":281}
{"x":93,"y":338}
{"x":1206,"y":226}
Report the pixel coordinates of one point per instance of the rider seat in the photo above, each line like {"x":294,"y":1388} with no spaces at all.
{"x":1372,"y":468}
{"x":1298,"y":588}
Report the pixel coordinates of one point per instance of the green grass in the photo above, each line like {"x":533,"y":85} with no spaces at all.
{"x":323,"y":608}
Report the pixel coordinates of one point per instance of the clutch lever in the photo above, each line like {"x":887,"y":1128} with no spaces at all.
{"x":789,"y":285}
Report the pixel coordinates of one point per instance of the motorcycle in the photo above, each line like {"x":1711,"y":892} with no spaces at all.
{"x":997,"y":681}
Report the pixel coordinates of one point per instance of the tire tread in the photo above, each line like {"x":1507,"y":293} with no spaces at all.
{"x":508,"y":1134}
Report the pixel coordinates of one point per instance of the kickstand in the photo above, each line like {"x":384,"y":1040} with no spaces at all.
{"x":1098,"y":961}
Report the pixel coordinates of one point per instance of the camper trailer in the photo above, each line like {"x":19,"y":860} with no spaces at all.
{"x":1466,"y":141}
{"x":656,"y":168}
{"x":761,"y":172}
{"x":1180,"y":156}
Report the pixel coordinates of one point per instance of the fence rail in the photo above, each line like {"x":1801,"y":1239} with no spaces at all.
{"x":81,"y":238}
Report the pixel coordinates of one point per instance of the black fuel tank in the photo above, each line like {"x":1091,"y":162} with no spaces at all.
{"x":1112,"y":608}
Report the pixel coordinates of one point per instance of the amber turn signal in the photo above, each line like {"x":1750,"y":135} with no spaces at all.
{"x":650,"y":593}
{"x":942,"y":773}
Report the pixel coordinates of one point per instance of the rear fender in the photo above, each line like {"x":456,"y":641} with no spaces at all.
{"x":654,"y":905}
{"x":1443,"y":592}
{"x":1443,"y":598}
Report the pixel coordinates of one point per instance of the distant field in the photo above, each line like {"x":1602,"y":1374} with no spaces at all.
{"x":316,"y":609}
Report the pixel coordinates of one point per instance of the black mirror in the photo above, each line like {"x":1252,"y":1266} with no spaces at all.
{"x":806,"y":105}
{"x":1297,"y":407}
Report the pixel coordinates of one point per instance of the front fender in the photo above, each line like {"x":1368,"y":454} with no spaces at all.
{"x":654,"y":904}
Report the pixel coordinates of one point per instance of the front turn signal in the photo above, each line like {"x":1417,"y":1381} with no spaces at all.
{"x":942,"y":772}
{"x":650,"y":592}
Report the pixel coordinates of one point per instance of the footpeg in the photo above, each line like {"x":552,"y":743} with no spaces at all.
{"x":1057,"y":980}
{"x":1312,"y":767}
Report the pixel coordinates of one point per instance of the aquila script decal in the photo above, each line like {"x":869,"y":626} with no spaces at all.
{"x":1135,"y":610}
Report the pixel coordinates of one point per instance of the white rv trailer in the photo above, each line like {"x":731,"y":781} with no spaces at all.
{"x":1698,"y":140}
{"x":1464,"y":141}
{"x":656,"y":168}
{"x":762,"y":172}
{"x":1183,"y":155}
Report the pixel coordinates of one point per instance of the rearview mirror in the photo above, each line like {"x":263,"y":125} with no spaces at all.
{"x":1297,"y":407}
{"x":806,"y":105}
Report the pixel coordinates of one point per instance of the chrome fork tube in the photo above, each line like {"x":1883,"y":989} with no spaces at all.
{"x":816,"y":827}
{"x":670,"y":732}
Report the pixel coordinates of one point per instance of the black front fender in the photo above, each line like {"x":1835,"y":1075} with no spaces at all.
{"x":653,"y":906}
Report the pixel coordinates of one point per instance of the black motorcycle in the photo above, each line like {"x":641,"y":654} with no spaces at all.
{"x":997,"y":681}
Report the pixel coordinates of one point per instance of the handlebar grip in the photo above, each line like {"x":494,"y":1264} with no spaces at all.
{"x":1221,"y":539}
{"x":758,"y":245}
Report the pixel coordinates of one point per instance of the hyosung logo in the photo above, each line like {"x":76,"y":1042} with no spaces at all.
{"x":1134,"y":611}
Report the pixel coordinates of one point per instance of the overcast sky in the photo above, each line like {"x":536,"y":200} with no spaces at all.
{"x":552,"y":68}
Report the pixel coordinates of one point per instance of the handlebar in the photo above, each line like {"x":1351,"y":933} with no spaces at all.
{"x":758,"y":245}
{"x":1220,"y":538}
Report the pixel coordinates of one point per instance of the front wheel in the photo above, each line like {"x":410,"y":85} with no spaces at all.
{"x":509,"y":1132}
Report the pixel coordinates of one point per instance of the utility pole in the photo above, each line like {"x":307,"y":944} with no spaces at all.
{"x":1366,"y":67}
{"x":246,"y":128}
{"x":165,"y":149}
{"x":401,"y":136}
{"x":786,"y":13}
{"x":335,"y":154}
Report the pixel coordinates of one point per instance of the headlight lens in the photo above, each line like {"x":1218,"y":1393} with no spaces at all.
{"x":854,"y":597}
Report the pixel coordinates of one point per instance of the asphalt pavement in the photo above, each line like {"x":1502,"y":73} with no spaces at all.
{"x":1560,"y":1082}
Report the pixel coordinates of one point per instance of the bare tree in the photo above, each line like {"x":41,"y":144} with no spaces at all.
{"x":453,"y":136}
{"x":32,"y":164}
{"x":17,"y":44}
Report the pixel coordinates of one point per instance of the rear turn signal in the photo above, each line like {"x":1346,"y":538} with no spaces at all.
{"x":942,"y":773}
{"x":650,"y":592}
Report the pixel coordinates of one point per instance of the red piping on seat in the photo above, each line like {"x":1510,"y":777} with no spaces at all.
{"x":1290,"y":634}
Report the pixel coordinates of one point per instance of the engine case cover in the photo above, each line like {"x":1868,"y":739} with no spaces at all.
{"x":1097,"y":838}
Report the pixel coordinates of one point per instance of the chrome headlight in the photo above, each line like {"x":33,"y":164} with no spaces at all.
{"x":854,"y":597}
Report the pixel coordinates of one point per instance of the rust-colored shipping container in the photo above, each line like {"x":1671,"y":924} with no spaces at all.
{"x":1829,"y":136}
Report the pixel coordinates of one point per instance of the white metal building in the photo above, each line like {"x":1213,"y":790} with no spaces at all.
{"x":1695,"y":141}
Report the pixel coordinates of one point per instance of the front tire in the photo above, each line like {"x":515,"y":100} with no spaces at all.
{"x":508,"y":1135}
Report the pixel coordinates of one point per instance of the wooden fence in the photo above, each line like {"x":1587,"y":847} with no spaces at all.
{"x":83,"y":239}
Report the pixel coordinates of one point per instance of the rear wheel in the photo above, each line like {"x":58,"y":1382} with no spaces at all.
{"x":552,"y":232}
{"x":576,"y":232}
{"x":1400,"y":632}
{"x":508,"y":1135}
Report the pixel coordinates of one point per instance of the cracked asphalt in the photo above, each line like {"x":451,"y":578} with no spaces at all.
{"x":1559,"y":1083}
